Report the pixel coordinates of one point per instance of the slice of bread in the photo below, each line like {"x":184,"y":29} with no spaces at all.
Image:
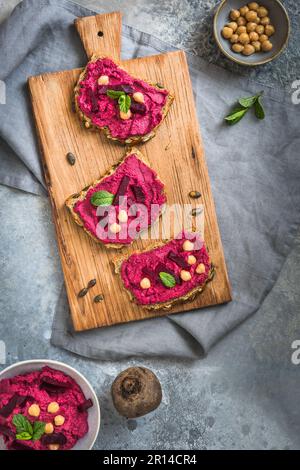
{"x":73,"y":199}
{"x":165,"y":306}
{"x":132,"y":139}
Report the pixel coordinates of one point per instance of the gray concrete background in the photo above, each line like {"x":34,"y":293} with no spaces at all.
{"x":245,"y":394}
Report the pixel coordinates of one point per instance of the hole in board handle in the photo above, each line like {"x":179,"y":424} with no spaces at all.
{"x":100,"y":34}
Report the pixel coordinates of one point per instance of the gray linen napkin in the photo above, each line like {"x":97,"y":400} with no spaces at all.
{"x":254,"y":169}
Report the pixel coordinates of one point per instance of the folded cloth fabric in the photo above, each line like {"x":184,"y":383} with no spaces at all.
{"x":254,"y":168}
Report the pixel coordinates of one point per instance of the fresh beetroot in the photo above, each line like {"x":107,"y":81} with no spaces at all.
{"x":18,"y":445}
{"x":94,"y":101}
{"x":85,"y":405}
{"x":139,"y":108}
{"x":55,"y":438}
{"x":139,"y":193}
{"x":121,"y":190}
{"x":6,"y":431}
{"x":7,"y":409}
{"x":178,"y":260}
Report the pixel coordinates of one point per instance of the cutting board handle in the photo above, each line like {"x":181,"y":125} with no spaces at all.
{"x":101,"y":34}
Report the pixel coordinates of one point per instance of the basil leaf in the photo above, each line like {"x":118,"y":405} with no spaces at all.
{"x":249,"y":101}
{"x":259,"y":110}
{"x":23,"y":436}
{"x":22,"y":424}
{"x":236,"y":115}
{"x":167,"y":279}
{"x":114,"y":94}
{"x":102,"y":198}
{"x":38,"y":430}
{"x":124,"y":103}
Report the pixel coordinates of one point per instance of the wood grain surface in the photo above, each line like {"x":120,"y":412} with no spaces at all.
{"x":176,"y":153}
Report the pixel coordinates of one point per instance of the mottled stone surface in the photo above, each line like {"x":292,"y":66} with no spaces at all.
{"x":245,"y":394}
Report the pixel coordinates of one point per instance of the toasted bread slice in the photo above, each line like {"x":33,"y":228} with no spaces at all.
{"x":73,"y":200}
{"x":87,"y":118}
{"x":186,"y":296}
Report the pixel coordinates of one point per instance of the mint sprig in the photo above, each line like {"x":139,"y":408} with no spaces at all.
{"x":102,"y":198}
{"x":24,"y":429}
{"x":124,"y":100}
{"x":244,"y":105}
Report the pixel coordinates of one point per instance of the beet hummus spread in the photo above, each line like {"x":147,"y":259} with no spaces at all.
{"x":168,"y":272}
{"x":42,"y":410}
{"x":136,"y":199}
{"x":146,"y":111}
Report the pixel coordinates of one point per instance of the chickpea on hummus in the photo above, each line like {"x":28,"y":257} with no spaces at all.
{"x":42,"y":410}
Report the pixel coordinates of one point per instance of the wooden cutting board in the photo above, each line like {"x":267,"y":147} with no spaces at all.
{"x":176,"y":153}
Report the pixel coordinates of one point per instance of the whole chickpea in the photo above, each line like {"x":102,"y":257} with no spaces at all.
{"x":244,"y":38}
{"x":251,"y":27}
{"x":262,"y":11}
{"x":248,"y":49}
{"x":253,"y":6}
{"x":234,"y":39}
{"x":234,"y":14}
{"x":265,"y":20}
{"x":237,"y":47}
{"x":244,"y":10}
{"x":256,"y":45}
{"x":253,"y":36}
{"x":266,"y":46}
{"x":251,"y":15}
{"x":233,"y":25}
{"x":241,"y":21}
{"x":262,"y":38}
{"x":227,"y":32}
{"x":257,"y":20}
{"x":269,"y":30}
{"x":241,"y":29}
{"x":260,"y":29}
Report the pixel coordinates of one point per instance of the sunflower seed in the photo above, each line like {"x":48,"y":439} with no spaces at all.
{"x":92,"y":283}
{"x":98,"y":298}
{"x":194,"y":194}
{"x":196,"y":212}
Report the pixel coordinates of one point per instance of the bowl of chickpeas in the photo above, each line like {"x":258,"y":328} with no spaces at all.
{"x":251,"y":33}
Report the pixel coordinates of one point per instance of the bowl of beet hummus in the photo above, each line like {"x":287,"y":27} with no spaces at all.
{"x":47,"y":405}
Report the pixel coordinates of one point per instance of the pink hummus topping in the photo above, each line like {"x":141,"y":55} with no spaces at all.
{"x":150,"y":263}
{"x":104,"y":111}
{"x":27,"y":389}
{"x":144,"y":197}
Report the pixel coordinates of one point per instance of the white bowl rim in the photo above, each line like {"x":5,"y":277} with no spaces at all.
{"x":70,"y":368}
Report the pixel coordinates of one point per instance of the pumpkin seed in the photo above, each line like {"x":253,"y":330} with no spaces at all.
{"x":92,"y":283}
{"x":194,"y":194}
{"x":71,"y":158}
{"x":159,"y":85}
{"x":98,"y":298}
{"x":83,"y":292}
{"x":196,"y":212}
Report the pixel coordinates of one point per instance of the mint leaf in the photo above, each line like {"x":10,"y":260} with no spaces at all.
{"x":23,"y":436}
{"x":236,"y":115}
{"x":38,"y":430}
{"x":124,"y":103}
{"x":102,"y":198}
{"x":22,"y":424}
{"x":258,"y":108}
{"x":114,"y":94}
{"x":248,"y":101}
{"x":167,"y":279}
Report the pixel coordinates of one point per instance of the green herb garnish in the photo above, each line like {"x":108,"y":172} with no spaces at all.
{"x":102,"y":198}
{"x":24,"y":429}
{"x":124,"y":100}
{"x":167,"y":279}
{"x":244,"y":105}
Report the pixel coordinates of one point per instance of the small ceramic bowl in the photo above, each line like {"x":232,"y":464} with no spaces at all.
{"x":87,"y":442}
{"x":279,"y":19}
